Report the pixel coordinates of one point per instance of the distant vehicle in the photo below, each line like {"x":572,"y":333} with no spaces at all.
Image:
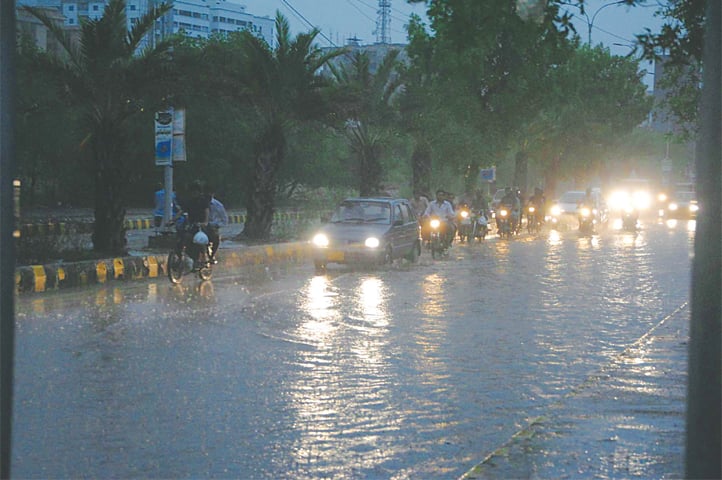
{"x":368,"y":230}
{"x":682,"y":205}
{"x":631,"y":192}
{"x":496,"y":199}
{"x":568,"y":207}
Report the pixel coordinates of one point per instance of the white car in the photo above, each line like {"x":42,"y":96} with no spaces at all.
{"x":568,"y":206}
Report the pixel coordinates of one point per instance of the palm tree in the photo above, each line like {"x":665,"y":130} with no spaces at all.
{"x":105,"y":72}
{"x":366,"y":103}
{"x":278,"y":86}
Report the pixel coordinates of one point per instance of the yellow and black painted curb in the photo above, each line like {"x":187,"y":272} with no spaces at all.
{"x":52,"y":277}
{"x":140,"y":223}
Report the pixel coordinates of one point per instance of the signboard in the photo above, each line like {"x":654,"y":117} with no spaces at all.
{"x":179,"y":135}
{"x":164,"y":137}
{"x":487,"y":174}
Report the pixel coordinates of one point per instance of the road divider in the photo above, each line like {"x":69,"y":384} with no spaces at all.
{"x":58,"y":276}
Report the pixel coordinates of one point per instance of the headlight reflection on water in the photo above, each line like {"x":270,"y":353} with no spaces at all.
{"x":339,"y":390}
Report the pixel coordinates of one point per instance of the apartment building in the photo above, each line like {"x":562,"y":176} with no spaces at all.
{"x":195,"y":18}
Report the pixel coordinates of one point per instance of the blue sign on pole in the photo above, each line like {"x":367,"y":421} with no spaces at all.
{"x":487,"y":174}
{"x":164,"y":138}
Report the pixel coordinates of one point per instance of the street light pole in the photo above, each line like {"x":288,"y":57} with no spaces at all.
{"x":590,"y":21}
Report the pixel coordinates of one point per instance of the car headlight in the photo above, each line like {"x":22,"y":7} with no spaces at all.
{"x":693,"y":207}
{"x":320,"y":240}
{"x":372,"y":242}
{"x":618,"y":200}
{"x":662,"y":197}
{"x":556,"y":210}
{"x":435,"y":223}
{"x":673,"y":206}
{"x":585,"y":212}
{"x":531,"y":209}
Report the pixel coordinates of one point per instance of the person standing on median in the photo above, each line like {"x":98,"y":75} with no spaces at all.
{"x":218,"y":218}
{"x":159,"y":208}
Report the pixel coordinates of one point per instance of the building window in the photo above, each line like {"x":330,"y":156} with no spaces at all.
{"x":70,"y":21}
{"x":132,"y":8}
{"x":71,"y":8}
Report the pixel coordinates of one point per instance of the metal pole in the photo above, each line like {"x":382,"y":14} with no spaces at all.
{"x":7,"y":243}
{"x":704,"y":391}
{"x":168,"y":208}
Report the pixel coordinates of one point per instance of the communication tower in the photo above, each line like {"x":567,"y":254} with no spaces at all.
{"x":383,"y":22}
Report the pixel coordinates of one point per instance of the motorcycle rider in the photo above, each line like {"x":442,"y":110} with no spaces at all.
{"x":538,"y":201}
{"x":511,"y":201}
{"x":197,"y":208}
{"x":442,"y":208}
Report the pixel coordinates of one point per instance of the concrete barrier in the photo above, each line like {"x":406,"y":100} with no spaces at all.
{"x":58,"y":276}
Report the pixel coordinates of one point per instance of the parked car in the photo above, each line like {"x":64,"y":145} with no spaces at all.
{"x":368,"y":230}
{"x":682,"y":205}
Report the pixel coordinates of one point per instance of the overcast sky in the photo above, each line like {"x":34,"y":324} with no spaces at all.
{"x":342,"y":19}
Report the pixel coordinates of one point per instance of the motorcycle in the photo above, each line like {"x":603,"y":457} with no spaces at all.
{"x":438,"y":238}
{"x":480,"y":226}
{"x":586,"y":220}
{"x":503,"y":223}
{"x":464,"y":219}
{"x":533,"y":222}
{"x":629,"y":219}
{"x":192,"y":253}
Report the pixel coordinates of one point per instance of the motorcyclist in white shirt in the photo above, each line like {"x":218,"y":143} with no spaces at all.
{"x":443,"y":209}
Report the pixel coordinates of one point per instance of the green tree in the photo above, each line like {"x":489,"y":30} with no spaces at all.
{"x":481,"y":64}
{"x":365,"y":99}
{"x":679,"y":45}
{"x":105,"y":73}
{"x":40,"y":109}
{"x":278,"y":87}
{"x":594,"y":99}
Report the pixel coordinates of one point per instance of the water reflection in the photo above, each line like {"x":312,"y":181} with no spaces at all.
{"x":433,"y":303}
{"x":341,"y":395}
{"x":555,"y":238}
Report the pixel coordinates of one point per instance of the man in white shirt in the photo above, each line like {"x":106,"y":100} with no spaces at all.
{"x":442,"y":208}
{"x":217,"y":218}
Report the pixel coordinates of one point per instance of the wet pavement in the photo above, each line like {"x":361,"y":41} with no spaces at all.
{"x":626,"y":421}
{"x":555,"y":356}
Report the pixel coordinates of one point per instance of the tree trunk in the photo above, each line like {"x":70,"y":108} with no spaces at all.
{"x":421,"y":167}
{"x":370,"y":170}
{"x":109,"y":228}
{"x":521,"y":167}
{"x":550,"y":178}
{"x":261,"y":201}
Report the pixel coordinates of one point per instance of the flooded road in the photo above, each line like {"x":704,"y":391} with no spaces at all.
{"x":413,"y":371}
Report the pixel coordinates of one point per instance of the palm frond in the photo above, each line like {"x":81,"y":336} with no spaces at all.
{"x":145,"y":25}
{"x":60,"y":34}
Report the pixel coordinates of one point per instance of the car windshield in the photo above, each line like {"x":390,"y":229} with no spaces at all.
{"x":572,"y":197}
{"x":362,"y":212}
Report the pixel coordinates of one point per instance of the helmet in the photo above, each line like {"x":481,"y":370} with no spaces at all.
{"x":200,"y":238}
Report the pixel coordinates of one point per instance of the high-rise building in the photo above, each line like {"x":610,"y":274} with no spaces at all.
{"x":195,"y":18}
